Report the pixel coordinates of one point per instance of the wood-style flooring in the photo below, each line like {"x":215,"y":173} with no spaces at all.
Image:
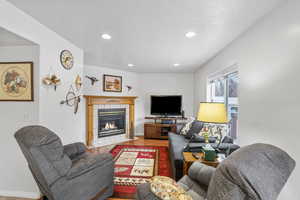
{"x":139,"y":141}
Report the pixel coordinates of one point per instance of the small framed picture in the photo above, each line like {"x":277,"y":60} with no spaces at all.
{"x":112,"y":83}
{"x":16,"y":81}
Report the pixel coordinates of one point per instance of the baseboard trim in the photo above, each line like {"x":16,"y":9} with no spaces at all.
{"x":21,"y":194}
{"x":139,"y":134}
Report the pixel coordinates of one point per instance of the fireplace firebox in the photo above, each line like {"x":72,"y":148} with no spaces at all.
{"x":111,"y":122}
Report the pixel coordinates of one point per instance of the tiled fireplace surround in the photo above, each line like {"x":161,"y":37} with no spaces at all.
{"x":93,"y":104}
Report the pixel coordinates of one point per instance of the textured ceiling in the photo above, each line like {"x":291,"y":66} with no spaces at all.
{"x":149,"y":34}
{"x":9,"y":39}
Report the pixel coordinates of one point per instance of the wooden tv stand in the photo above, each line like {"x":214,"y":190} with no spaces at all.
{"x":159,"y":130}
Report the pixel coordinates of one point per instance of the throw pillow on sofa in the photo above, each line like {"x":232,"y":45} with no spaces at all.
{"x":213,"y":132}
{"x":195,"y":128}
{"x":166,"y":188}
{"x":185,"y":129}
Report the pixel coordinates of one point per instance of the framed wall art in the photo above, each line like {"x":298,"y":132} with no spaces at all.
{"x":16,"y":81}
{"x":112,"y":83}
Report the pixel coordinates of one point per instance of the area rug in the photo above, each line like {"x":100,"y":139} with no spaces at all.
{"x":135,"y":165}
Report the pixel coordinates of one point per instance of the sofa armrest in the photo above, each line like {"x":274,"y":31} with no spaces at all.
{"x":227,"y":139}
{"x":88,"y":162}
{"x":201,"y":173}
{"x":72,"y":150}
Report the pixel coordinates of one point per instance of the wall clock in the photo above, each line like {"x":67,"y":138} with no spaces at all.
{"x":66,"y":59}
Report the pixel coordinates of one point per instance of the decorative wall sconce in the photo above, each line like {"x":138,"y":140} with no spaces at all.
{"x":78,"y":82}
{"x":52,"y":80}
{"x":129,"y":87}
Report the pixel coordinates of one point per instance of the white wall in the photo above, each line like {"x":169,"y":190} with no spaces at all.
{"x":268,"y":60}
{"x":61,"y":118}
{"x":165,"y":84}
{"x":51,"y":114}
{"x":128,"y":78}
{"x":15,"y":115}
{"x":144,"y":85}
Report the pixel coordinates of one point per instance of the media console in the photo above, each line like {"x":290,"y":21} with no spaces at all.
{"x":160,"y":127}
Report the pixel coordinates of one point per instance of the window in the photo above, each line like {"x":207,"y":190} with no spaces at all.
{"x":223,"y":87}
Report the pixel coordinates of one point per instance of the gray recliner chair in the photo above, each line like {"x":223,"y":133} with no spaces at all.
{"x":65,"y":172}
{"x":256,"y":172}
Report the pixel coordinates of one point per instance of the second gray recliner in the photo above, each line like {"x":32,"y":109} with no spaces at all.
{"x":256,"y":172}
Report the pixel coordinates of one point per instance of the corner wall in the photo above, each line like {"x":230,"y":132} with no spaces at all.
{"x":15,"y":115}
{"x":165,"y":84}
{"x":128,"y":78}
{"x":268,"y":60}
{"x":59,"y":118}
{"x":144,"y":85}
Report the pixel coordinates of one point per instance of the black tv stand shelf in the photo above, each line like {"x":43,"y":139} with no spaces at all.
{"x":158,"y":129}
{"x":160,"y":119}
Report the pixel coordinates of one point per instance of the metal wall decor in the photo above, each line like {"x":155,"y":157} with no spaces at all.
{"x":129,"y":88}
{"x":72,"y":99}
{"x":52,"y":80}
{"x":78,"y":82}
{"x":92,"y":79}
{"x":66,"y":59}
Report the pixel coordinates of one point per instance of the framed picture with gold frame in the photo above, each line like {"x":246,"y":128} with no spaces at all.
{"x":16,"y":81}
{"x":112,"y":83}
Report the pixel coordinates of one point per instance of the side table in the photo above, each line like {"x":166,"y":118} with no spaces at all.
{"x":189,"y":159}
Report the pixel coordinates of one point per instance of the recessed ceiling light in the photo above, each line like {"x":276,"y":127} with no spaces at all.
{"x":106,"y":36}
{"x":130,"y":65}
{"x":190,"y":34}
{"x":176,"y":64}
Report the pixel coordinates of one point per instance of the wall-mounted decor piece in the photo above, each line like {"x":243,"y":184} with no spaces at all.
{"x":16,"y":81}
{"x":72,"y":99}
{"x":78,"y":82}
{"x":92,"y":79}
{"x":112,"y":83}
{"x":129,"y":88}
{"x":52,"y":80}
{"x":66,"y":59}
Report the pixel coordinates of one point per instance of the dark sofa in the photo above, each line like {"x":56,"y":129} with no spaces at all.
{"x":177,"y":144}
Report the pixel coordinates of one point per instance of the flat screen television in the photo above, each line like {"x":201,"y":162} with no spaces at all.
{"x":166,"y":105}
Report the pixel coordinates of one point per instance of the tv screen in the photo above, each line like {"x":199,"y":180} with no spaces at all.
{"x":166,"y":105}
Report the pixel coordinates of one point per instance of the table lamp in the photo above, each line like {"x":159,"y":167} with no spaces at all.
{"x":213,"y":113}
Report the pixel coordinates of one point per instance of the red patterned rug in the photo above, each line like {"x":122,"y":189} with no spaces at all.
{"x":137,"y":164}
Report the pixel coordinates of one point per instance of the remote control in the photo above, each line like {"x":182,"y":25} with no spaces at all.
{"x":196,"y":155}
